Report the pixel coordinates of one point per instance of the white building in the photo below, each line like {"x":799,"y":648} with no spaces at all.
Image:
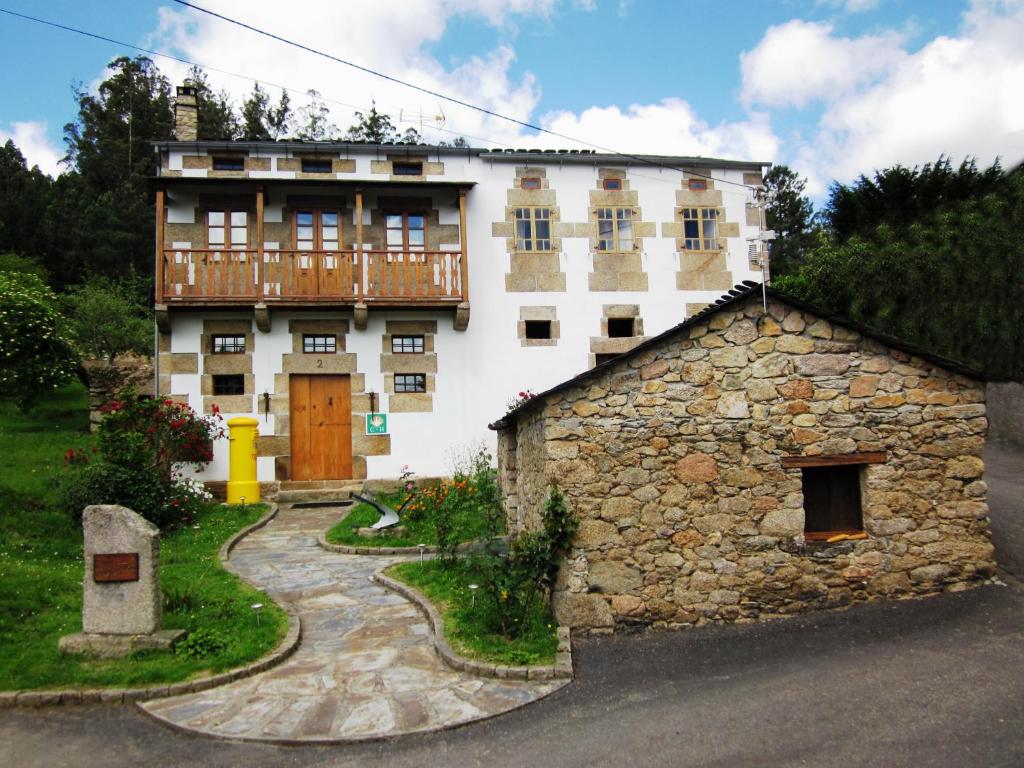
{"x":310,"y":284}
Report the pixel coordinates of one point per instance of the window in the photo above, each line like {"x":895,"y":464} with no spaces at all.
{"x":538,"y":329}
{"x":227,"y":229}
{"x":405,"y":231}
{"x":317,"y":230}
{"x":832,"y":501}
{"x":310,"y":165}
{"x":700,"y":229}
{"x":407,"y":345}
{"x":697,"y":185}
{"x":407,"y":169}
{"x":235,"y":163}
{"x":323,"y":344}
{"x":228,"y":345}
{"x":410,"y":382}
{"x":615,"y":229}
{"x":533,"y":229}
{"x":611,"y":184}
{"x":603,"y":357}
{"x":229,"y":384}
{"x":530,"y":182}
{"x":620,"y":327}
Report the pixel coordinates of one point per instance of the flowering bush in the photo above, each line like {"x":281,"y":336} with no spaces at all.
{"x":145,"y":445}
{"x":521,"y":397}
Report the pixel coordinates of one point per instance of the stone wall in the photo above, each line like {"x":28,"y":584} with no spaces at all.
{"x":107,"y":381}
{"x":672,"y":459}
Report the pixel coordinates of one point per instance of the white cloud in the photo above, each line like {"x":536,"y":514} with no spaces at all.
{"x":958,"y":96}
{"x":851,"y":6}
{"x":35,"y":145}
{"x":670,"y":127}
{"x":802,"y":61}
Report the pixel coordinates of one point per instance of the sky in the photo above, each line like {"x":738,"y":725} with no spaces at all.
{"x":833,"y":88}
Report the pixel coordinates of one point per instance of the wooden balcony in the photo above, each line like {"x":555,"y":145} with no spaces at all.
{"x":192,"y":276}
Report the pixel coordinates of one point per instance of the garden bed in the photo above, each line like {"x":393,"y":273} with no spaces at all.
{"x":468,"y":628}
{"x":41,"y":571}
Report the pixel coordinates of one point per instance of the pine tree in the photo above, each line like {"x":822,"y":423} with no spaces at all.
{"x":788,"y":213}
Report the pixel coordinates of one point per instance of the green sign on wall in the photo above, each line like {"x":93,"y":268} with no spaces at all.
{"x":376,"y":423}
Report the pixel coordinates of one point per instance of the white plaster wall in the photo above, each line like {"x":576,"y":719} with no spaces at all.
{"x":480,"y":369}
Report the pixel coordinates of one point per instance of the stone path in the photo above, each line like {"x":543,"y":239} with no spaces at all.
{"x":366,"y":667}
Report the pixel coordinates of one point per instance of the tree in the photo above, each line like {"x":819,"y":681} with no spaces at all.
{"x":216,"y":120}
{"x":260,"y":121}
{"x":314,"y":120}
{"x":788,"y":213}
{"x":34,"y":356}
{"x":107,"y":318}
{"x":23,"y":197}
{"x":899,"y":196}
{"x":950,"y":279}
{"x":376,"y":128}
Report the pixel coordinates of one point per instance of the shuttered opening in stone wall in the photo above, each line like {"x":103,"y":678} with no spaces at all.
{"x":832,"y":501}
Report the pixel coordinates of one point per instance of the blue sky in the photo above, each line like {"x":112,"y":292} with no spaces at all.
{"x":832,"y":87}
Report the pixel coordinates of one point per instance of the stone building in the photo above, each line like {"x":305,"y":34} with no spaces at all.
{"x":751,"y":463}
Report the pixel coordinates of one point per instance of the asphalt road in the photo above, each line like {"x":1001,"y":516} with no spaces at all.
{"x":933,"y":682}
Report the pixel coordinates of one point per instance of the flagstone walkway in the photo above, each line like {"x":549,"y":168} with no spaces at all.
{"x":366,"y":667}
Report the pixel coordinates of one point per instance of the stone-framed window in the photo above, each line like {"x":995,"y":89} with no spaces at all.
{"x":533,"y":229}
{"x":319,"y":344}
{"x":410,"y":382}
{"x":611,"y":184}
{"x":530,"y":182}
{"x":407,"y":167}
{"x":832,"y":501}
{"x":228,"y":162}
{"x":700,"y":229}
{"x":227,"y":344}
{"x":538,"y":327}
{"x":316,"y":165}
{"x":409,"y":364}
{"x":615,"y":230}
{"x":622,"y":328}
{"x":228,"y":384}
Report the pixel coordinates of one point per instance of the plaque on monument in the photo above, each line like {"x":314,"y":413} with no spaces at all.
{"x":118,"y":566}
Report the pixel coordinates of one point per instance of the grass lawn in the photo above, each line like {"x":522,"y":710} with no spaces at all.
{"x":468,"y":628}
{"x":41,"y":569}
{"x":469,"y":525}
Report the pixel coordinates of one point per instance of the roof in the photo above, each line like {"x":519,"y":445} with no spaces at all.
{"x":739,"y":294}
{"x":510,"y":154}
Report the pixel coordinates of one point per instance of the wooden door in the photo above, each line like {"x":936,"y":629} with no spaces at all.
{"x":321,"y":410}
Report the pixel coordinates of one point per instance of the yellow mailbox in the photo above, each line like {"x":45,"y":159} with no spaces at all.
{"x":242,"y":482}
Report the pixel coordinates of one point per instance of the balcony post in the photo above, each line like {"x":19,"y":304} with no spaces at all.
{"x":357,"y":259}
{"x":158,"y":289}
{"x":464,"y":263}
{"x":259,"y":245}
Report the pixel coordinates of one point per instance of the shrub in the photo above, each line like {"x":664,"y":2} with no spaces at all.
{"x":201,"y":643}
{"x":514,"y":582}
{"x":141,"y":489}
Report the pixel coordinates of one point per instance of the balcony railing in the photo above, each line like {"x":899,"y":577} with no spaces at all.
{"x":193,"y":275}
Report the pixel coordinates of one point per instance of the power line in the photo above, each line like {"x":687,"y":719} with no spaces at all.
{"x":171,"y":57}
{"x":445,"y":97}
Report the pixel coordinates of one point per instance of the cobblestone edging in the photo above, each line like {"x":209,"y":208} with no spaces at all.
{"x":561,"y":670}
{"x":348,"y":549}
{"x":37,"y":698}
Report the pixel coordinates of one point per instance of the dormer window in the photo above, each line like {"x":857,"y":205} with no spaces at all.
{"x":228,"y":163}
{"x":316,"y":166}
{"x":407,"y":169}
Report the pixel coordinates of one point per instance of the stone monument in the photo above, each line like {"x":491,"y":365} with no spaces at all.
{"x":121,"y":602}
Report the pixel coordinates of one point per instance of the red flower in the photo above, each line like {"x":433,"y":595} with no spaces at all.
{"x":214,"y":409}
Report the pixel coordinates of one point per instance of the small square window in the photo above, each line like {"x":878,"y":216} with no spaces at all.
{"x":313,"y":343}
{"x":407,"y":345}
{"x":407,"y":169}
{"x":410,"y":382}
{"x":832,"y":502}
{"x":229,"y":384}
{"x":620,"y":327}
{"x":531,"y":182}
{"x":316,"y":166}
{"x":538,"y":329}
{"x":228,"y":345}
{"x":230,"y":163}
{"x":697,"y":185}
{"x":611,"y":184}
{"x":604,"y":357}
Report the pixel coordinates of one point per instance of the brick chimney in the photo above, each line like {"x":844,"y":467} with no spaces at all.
{"x":186,"y":114}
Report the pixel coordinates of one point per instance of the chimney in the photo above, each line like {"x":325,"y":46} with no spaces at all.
{"x":186,"y":114}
